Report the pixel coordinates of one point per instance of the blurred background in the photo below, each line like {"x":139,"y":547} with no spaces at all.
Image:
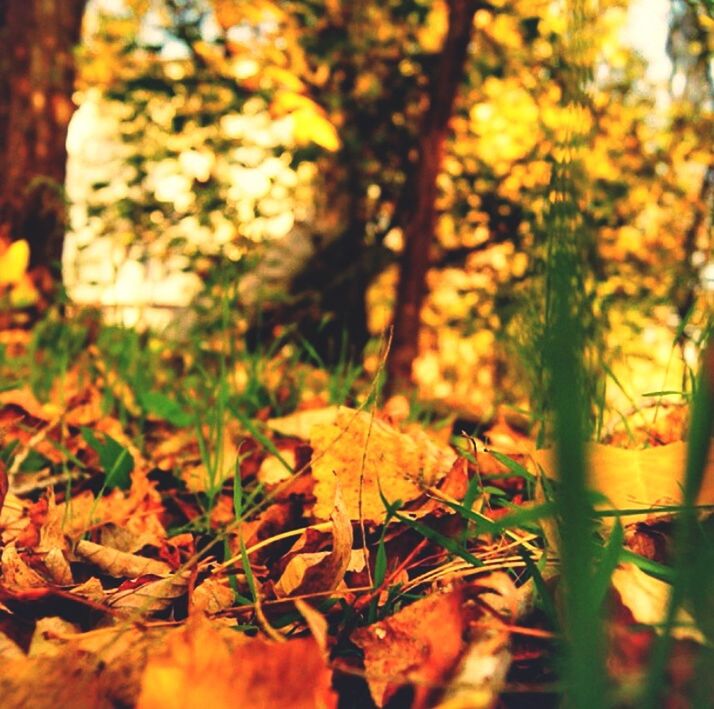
{"x":338,"y":166}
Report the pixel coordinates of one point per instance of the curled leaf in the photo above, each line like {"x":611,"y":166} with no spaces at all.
{"x":120,"y":564}
{"x":313,"y":573}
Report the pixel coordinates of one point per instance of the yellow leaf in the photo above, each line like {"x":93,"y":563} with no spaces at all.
{"x":647,"y":599}
{"x":311,"y":127}
{"x":14,"y":261}
{"x":638,"y":478}
{"x":23,"y":293}
{"x":287,"y":101}
{"x":362,"y":454}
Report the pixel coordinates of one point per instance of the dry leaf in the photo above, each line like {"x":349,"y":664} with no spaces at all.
{"x":200,"y":666}
{"x":12,"y":517}
{"x":96,"y":670}
{"x":26,"y":400}
{"x":51,"y":532}
{"x":17,"y":576}
{"x":212,"y":596}
{"x":315,"y":621}
{"x":272,"y":470}
{"x":299,"y":424}
{"x":312,"y":573}
{"x":44,"y":641}
{"x":91,"y":589}
{"x":120,"y":564}
{"x":420,"y":644}
{"x":647,"y":599}
{"x":9,"y":650}
{"x":638,"y":478}
{"x":481,"y":674}
{"x":199,"y":479}
{"x":357,"y":447}
{"x":43,"y":683}
{"x":4,"y":483}
{"x":150,"y":597}
{"x":58,"y":567}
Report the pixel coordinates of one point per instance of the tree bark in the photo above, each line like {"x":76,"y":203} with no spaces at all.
{"x":37,"y":72}
{"x":420,"y":223}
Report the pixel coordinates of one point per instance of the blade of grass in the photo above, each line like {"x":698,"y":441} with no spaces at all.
{"x":685,"y":569}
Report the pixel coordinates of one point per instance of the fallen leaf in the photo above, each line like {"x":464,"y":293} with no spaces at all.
{"x":120,"y":564}
{"x":420,"y":644}
{"x":305,"y":573}
{"x":150,"y":597}
{"x":96,"y":670}
{"x":199,"y":666}
{"x":300,"y":423}
{"x":4,"y":483}
{"x":272,"y":470}
{"x":51,"y":532}
{"x":9,"y":650}
{"x":198,"y":478}
{"x":17,"y":576}
{"x":638,"y":478}
{"x":481,"y":673}
{"x":212,"y":596}
{"x":361,"y":454}
{"x":316,"y":622}
{"x":26,"y":400}
{"x":58,"y":567}
{"x":647,"y":599}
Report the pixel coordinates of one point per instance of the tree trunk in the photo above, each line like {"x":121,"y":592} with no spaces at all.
{"x":420,"y":223}
{"x":37,"y":72}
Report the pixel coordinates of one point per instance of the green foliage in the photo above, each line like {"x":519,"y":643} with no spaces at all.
{"x":115,"y":460}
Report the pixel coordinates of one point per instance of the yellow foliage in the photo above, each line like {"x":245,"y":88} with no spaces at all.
{"x":313,"y":127}
{"x":23,"y":293}
{"x":283,"y":78}
{"x":14,"y":260}
{"x":287,"y":101}
{"x":505,"y":123}
{"x":431,"y":36}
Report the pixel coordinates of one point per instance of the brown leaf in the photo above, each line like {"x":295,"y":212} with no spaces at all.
{"x":58,"y":567}
{"x":51,"y":532}
{"x":151,"y":597}
{"x":96,"y":670}
{"x":419,"y":644}
{"x":481,"y":673}
{"x":199,"y":666}
{"x":17,"y":576}
{"x":316,"y":622}
{"x":120,"y":564}
{"x":313,"y":573}
{"x":212,"y":596}
{"x":4,"y":483}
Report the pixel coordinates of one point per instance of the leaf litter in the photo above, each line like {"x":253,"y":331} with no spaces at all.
{"x":343,"y":548}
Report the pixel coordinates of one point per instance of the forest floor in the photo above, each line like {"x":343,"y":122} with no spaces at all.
{"x":184,"y":527}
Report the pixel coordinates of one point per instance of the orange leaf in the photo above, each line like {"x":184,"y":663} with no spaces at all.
{"x":420,"y":644}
